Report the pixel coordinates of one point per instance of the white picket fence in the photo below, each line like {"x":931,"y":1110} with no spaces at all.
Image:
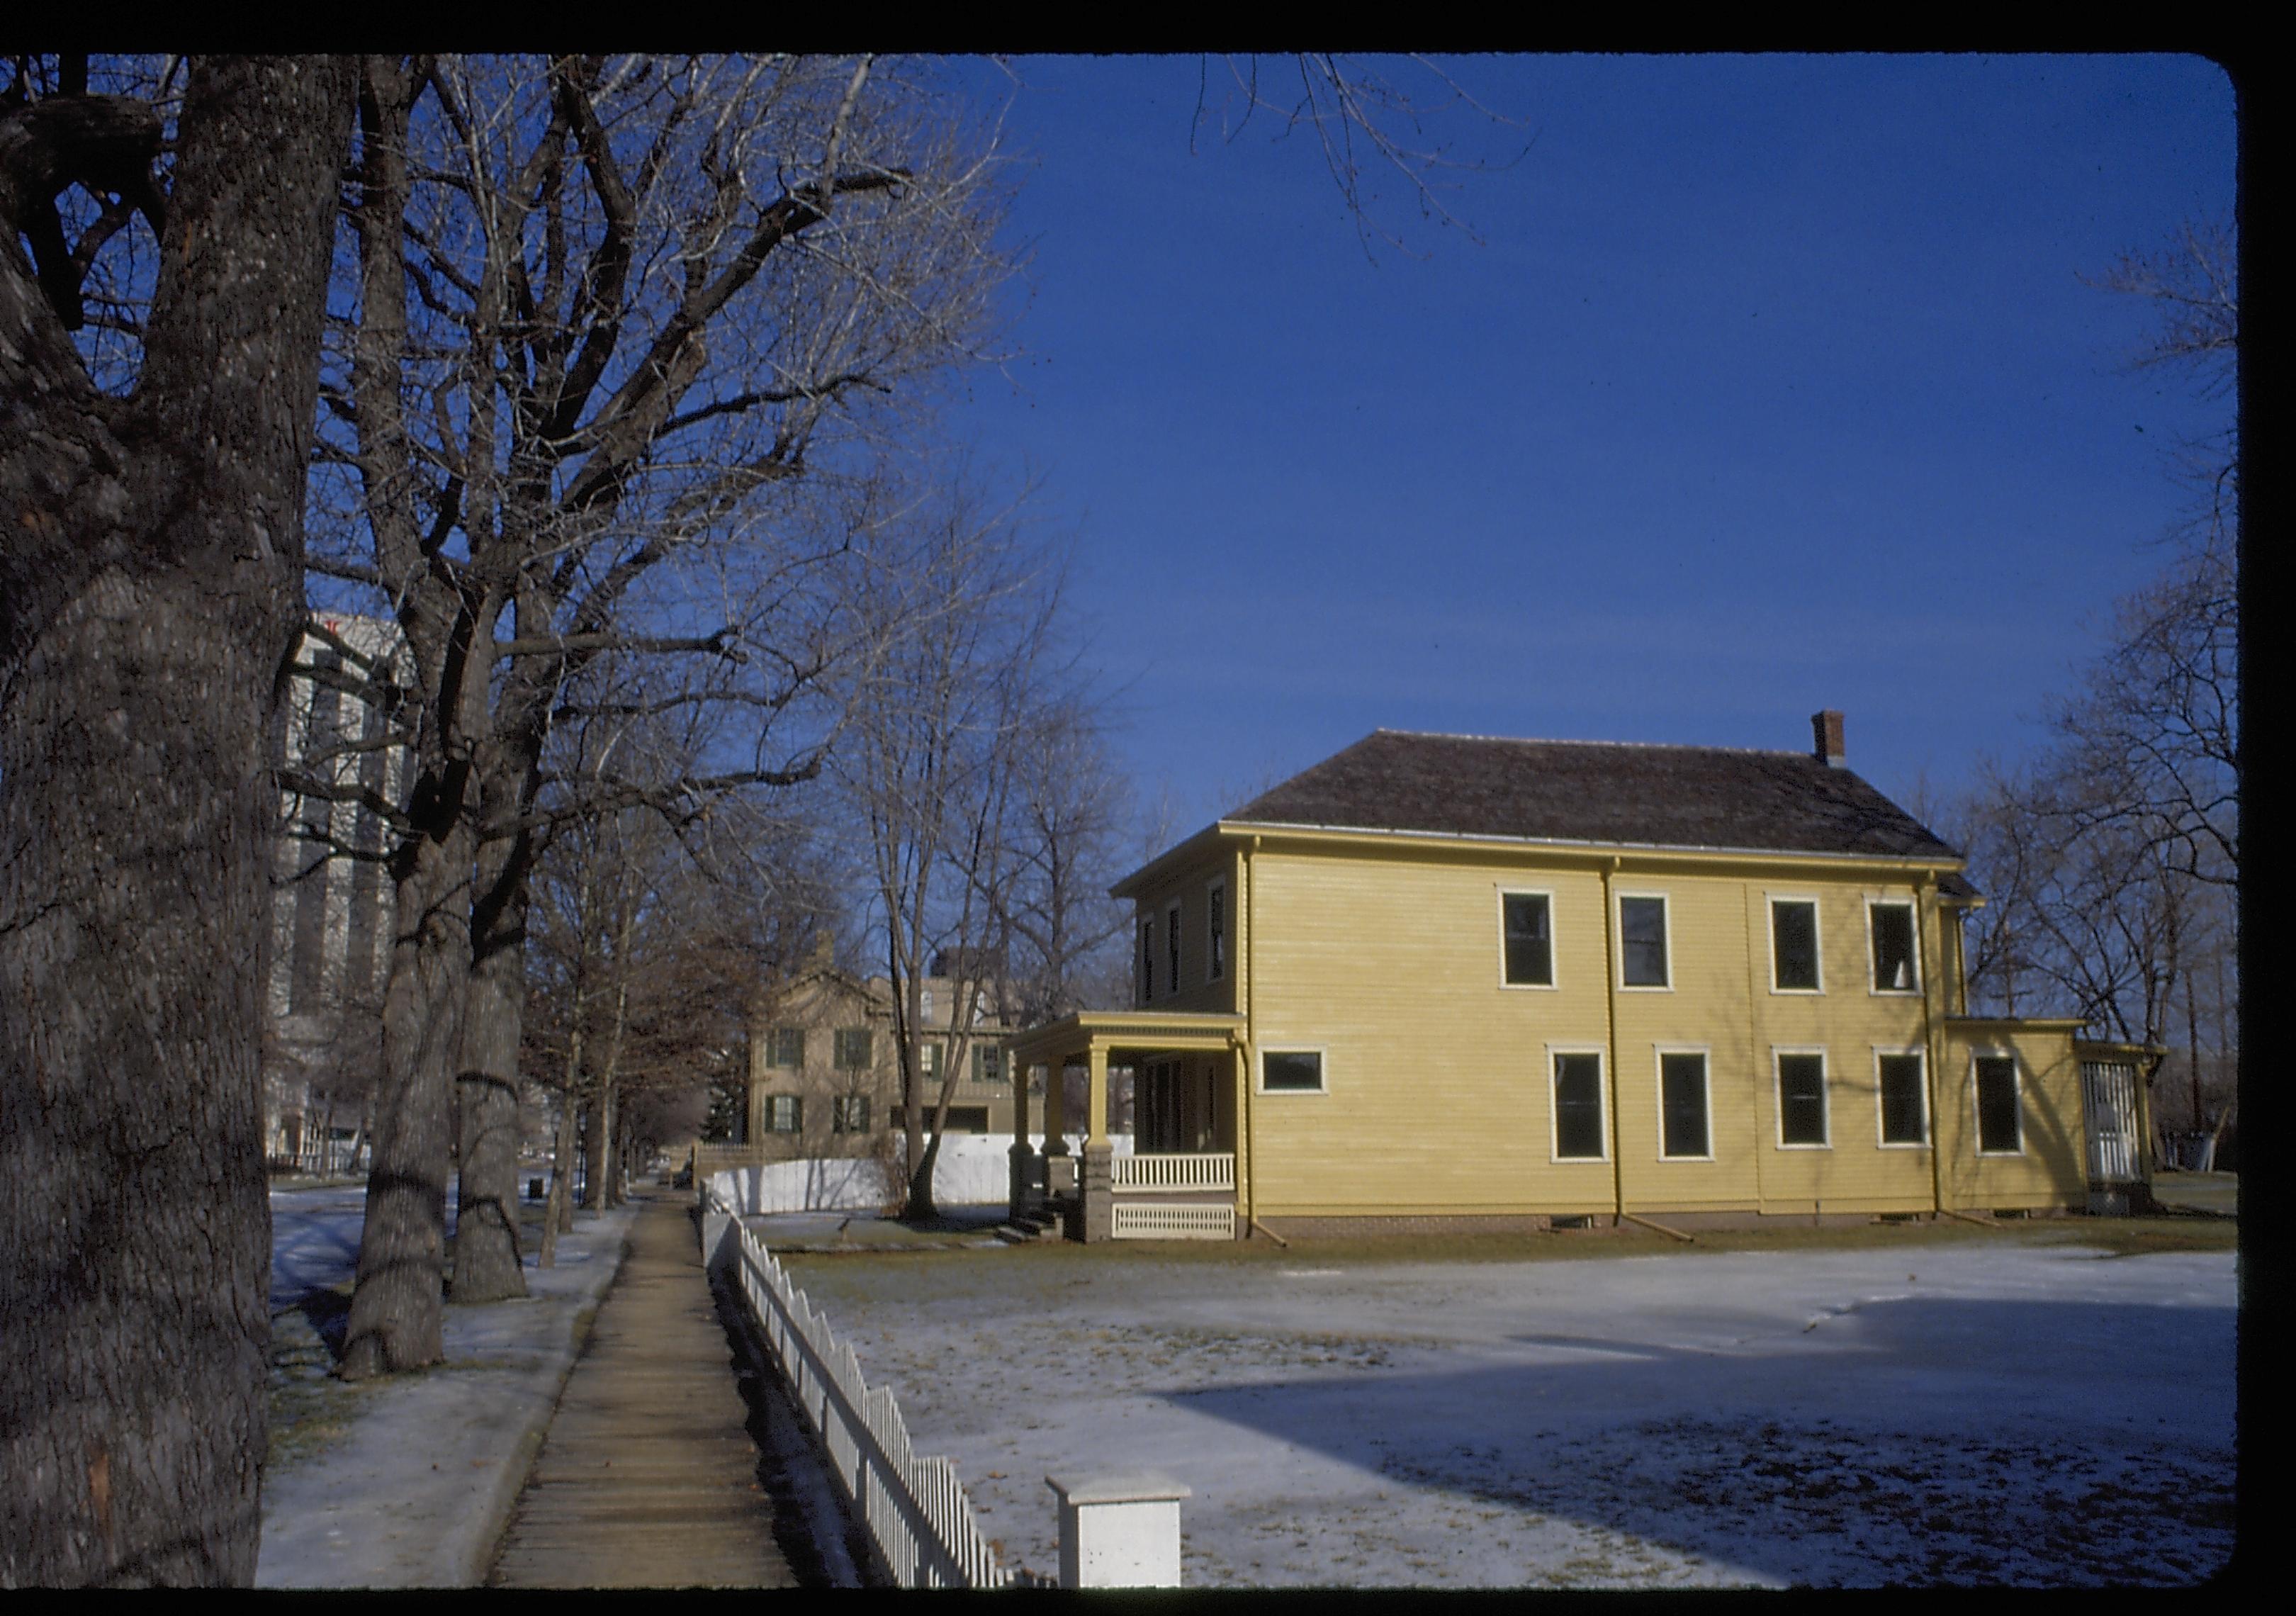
{"x":972,"y":1169}
{"x":914,"y":1508}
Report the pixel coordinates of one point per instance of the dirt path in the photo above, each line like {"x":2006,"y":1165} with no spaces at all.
{"x":649,"y":1477}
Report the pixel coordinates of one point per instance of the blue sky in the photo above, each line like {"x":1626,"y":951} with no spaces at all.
{"x":1772,"y":385}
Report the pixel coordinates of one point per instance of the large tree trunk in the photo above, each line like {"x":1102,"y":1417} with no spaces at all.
{"x":558,"y":1211}
{"x":150,"y":587}
{"x":485,"y":1223}
{"x":396,"y":1318}
{"x":598,"y":1191}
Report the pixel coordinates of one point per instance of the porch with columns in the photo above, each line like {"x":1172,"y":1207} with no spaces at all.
{"x":1154,"y":1194}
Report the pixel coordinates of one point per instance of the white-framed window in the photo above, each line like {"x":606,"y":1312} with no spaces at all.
{"x":1902,"y":1097}
{"x":785,"y":1046}
{"x":784,"y":1113}
{"x":929,"y":1059}
{"x":1994,"y":1084}
{"x":1216,"y":928}
{"x":1685,"y":1130}
{"x":1526,"y":939}
{"x":987,"y":1063}
{"x":849,"y":1114}
{"x":1802,"y":1121}
{"x":1292,"y":1072}
{"x":855,"y":1048}
{"x":1795,"y":965}
{"x":1896,"y":954}
{"x":1575,"y":1077}
{"x":1147,"y":958}
{"x":1643,"y":954}
{"x":1172,"y":947}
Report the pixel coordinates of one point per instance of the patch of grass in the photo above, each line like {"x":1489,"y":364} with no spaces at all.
{"x":2137,"y":1237}
{"x":1063,"y":1262}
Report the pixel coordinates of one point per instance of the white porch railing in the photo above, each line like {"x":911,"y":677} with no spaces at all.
{"x":1174,"y":1173}
{"x":914,"y":1509}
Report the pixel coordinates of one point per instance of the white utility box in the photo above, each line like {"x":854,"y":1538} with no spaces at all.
{"x":1120,"y":1530}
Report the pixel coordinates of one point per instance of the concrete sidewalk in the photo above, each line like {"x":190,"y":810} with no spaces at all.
{"x":649,"y":1476}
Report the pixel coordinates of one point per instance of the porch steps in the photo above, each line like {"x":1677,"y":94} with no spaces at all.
{"x":1039,"y":1223}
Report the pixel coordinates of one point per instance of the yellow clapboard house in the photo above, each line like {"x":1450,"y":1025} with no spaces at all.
{"x":1452,"y":981}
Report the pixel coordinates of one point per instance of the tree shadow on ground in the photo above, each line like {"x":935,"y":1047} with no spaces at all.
{"x":328,"y":1312}
{"x":1896,"y":1441}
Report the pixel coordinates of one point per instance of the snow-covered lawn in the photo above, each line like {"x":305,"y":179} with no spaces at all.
{"x":1962,"y":1411}
{"x":404,"y":1482}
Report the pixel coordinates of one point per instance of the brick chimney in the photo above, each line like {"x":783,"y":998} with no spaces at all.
{"x":1827,"y":727}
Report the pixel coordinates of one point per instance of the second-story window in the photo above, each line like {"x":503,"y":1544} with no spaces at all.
{"x":785,"y":1046}
{"x":1147,"y":960}
{"x":987,"y":1063}
{"x":1793,"y":945}
{"x":1172,"y":947}
{"x":1641,"y":942}
{"x":1894,"y":969}
{"x":1529,"y":940}
{"x":853,"y":1048}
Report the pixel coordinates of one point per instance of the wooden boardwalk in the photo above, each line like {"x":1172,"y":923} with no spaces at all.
{"x":649,"y":1476}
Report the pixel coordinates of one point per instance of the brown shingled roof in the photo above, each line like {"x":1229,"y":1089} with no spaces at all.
{"x":1596,"y":792}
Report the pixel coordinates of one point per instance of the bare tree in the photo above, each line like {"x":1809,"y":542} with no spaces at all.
{"x":1373,"y":122}
{"x":2154,"y":728}
{"x":611,"y":314}
{"x":158,"y":381}
{"x":1070,"y":833}
{"x":961,"y":606}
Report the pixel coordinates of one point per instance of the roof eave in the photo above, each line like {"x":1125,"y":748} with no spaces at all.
{"x":1946,"y":860}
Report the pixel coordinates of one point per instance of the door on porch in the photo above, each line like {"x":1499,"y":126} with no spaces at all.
{"x":1173,"y":1110}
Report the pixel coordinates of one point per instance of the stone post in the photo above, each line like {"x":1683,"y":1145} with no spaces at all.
{"x":1099,"y":1196}
{"x":1023,"y":1177}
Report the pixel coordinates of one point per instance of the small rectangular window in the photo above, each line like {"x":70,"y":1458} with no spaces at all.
{"x":1529,"y":940}
{"x":1579,"y":1107}
{"x":1172,"y":947}
{"x":1641,"y":942}
{"x":854,"y":1050}
{"x":1147,"y":960}
{"x":1681,"y":1086}
{"x":1997,"y":1130}
{"x":929,"y":1059}
{"x":849,"y":1114}
{"x":1801,"y":1099}
{"x":786,"y":1047}
{"x":1903,"y":1118}
{"x":1296,"y":1070}
{"x":1793,"y":946}
{"x":987,"y":1063}
{"x":1893,"y":947}
{"x":1215,"y":931}
{"x":784,"y":1113}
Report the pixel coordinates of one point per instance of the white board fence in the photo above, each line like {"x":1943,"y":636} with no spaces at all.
{"x":972,"y":1169}
{"x":913,"y":1508}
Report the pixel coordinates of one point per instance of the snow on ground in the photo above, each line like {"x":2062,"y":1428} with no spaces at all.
{"x":405,"y":1481}
{"x":1949,"y":1412}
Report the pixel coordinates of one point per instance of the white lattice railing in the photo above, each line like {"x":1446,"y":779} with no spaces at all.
{"x":1171,"y":1222}
{"x":914,"y":1509}
{"x":1196,"y":1170}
